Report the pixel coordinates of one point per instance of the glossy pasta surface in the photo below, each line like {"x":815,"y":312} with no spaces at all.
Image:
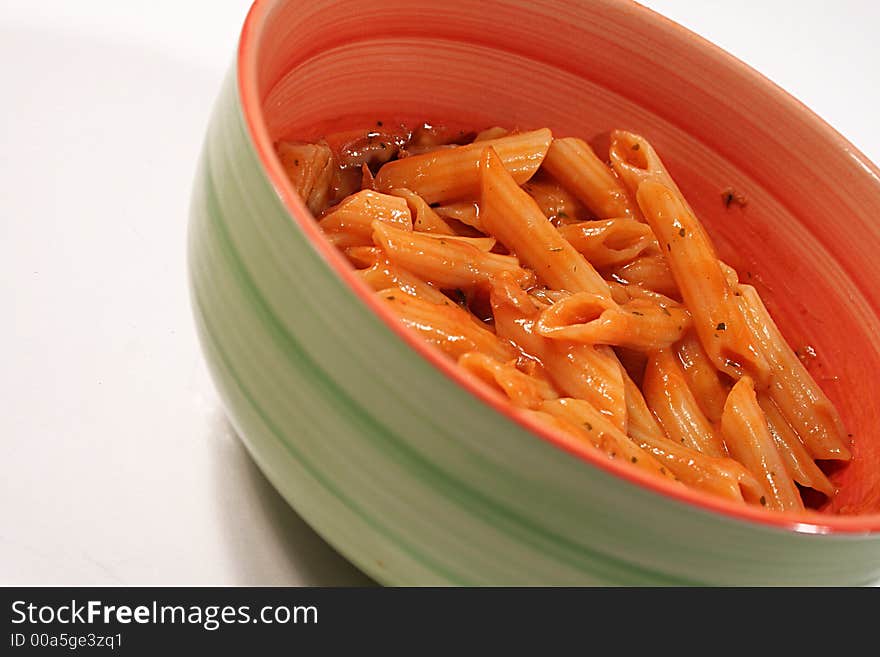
{"x":583,"y":288}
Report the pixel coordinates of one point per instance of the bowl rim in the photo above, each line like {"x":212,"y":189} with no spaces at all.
{"x":807,"y":522}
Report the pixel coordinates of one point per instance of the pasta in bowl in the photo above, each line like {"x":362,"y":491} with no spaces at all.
{"x":712,"y":395}
{"x":602,"y":396}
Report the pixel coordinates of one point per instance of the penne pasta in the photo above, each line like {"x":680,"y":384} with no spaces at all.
{"x":587,"y":297}
{"x":635,"y":161}
{"x":429,"y":137}
{"x":557,"y":204}
{"x":675,"y":406}
{"x":609,"y":243}
{"x":523,"y":390}
{"x":371,"y":146}
{"x":625,"y":293}
{"x":730,"y":274}
{"x":343,"y":183}
{"x":367,"y":179}
{"x":649,"y":271}
{"x":495,"y":132}
{"x":350,"y":223}
{"x":382,"y":274}
{"x":721,"y":476}
{"x":424,"y":218}
{"x":511,"y":215}
{"x":799,"y":398}
{"x":454,"y":174}
{"x":574,"y":164}
{"x":567,"y":432}
{"x":465,"y":212}
{"x":310,"y":169}
{"x":750,"y":442}
{"x":640,"y":324}
{"x":798,"y":462}
{"x":604,"y":434}
{"x":641,"y":423}
{"x":484,"y":244}
{"x":446,"y":326}
{"x":702,"y":377}
{"x":544,"y":297}
{"x":718,"y":320}
{"x":576,"y":370}
{"x":449,"y":263}
{"x":363,"y":256}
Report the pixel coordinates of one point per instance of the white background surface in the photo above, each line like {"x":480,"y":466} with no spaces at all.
{"x":117,"y":466}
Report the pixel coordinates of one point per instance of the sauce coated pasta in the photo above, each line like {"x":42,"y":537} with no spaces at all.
{"x":589,"y":294}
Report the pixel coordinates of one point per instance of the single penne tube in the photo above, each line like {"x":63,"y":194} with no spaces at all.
{"x":610,"y":242}
{"x":510,"y":214}
{"x":350,"y":223}
{"x":798,"y":463}
{"x":558,"y":204}
{"x":310,"y":169}
{"x":640,"y":324}
{"x":750,"y":442}
{"x":448,"y":327}
{"x":802,"y":402}
{"x":721,"y":476}
{"x":382,"y":274}
{"x":523,"y":390}
{"x":575,"y":370}
{"x":635,"y":161}
{"x":702,"y":377}
{"x":649,"y":271}
{"x":574,"y":164}
{"x":424,"y":218}
{"x":454,"y":173}
{"x":675,"y":407}
{"x":718,"y":320}
{"x":447,"y":263}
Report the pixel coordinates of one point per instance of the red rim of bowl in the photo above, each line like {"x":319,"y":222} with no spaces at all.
{"x":809,"y":522}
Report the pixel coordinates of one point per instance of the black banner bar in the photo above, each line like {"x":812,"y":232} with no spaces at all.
{"x":144,"y":620}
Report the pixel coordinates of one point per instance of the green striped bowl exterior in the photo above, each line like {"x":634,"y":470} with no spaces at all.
{"x":409,"y":476}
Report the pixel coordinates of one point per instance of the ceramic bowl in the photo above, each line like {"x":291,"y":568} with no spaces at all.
{"x":413,"y":473}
